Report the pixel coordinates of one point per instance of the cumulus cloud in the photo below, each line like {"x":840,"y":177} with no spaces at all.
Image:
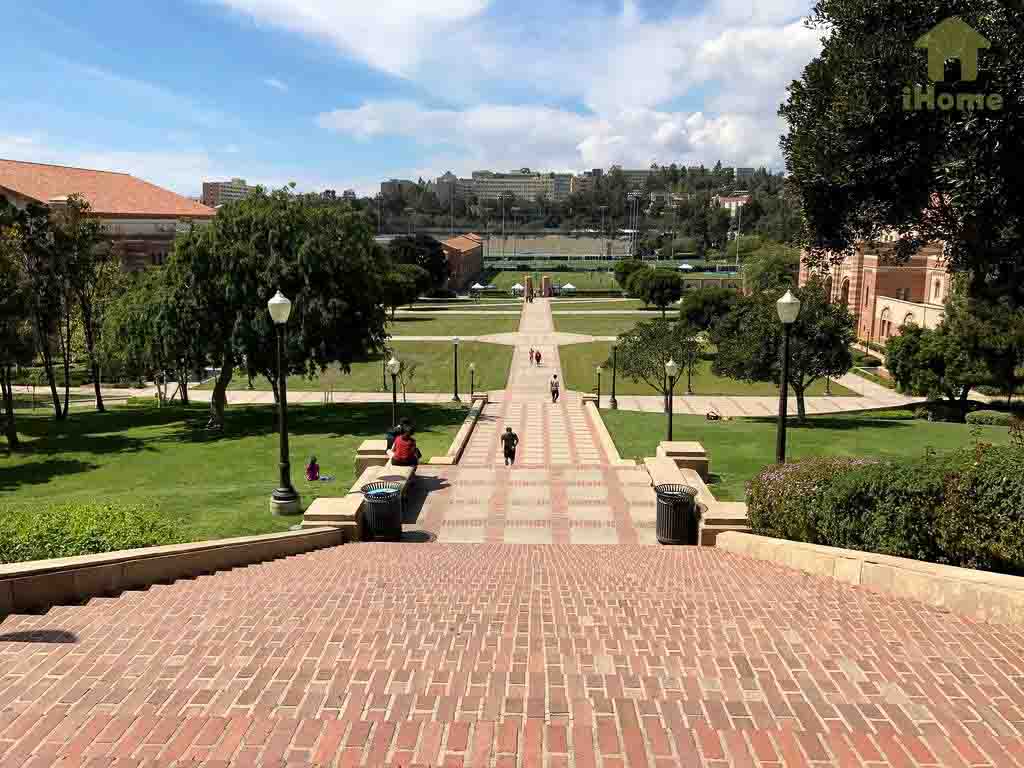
{"x":276,"y":84}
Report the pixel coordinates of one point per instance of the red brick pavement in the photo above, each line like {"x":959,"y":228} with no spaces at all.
{"x":498,"y":655}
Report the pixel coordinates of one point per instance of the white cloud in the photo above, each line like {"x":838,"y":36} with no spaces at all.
{"x":276,"y":84}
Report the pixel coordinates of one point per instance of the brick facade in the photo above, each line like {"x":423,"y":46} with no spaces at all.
{"x":465,"y":254}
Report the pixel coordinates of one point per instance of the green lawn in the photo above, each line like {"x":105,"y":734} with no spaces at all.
{"x":604,"y":325}
{"x":452,"y":325}
{"x":580,"y":360}
{"x":582,"y":280}
{"x":218,"y":485}
{"x":577,"y":305}
{"x":433,"y":374}
{"x":738,"y":449}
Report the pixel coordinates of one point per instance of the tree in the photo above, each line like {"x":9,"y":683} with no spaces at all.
{"x":423,"y":251}
{"x":749,"y":341}
{"x":624,"y":268}
{"x":933,"y":363}
{"x":660,"y":287}
{"x":322,"y":257}
{"x":398,"y":288}
{"x":862,"y":163}
{"x":644,"y":350}
{"x":91,"y":274}
{"x":692,"y":348}
{"x":16,"y":343}
{"x":703,"y":307}
{"x":771,"y":267}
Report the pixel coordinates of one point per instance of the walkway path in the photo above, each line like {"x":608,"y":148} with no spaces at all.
{"x":561,"y":489}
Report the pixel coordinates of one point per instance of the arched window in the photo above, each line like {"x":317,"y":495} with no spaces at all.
{"x":937,"y":289}
{"x":844,"y":293}
{"x":828,"y":289}
{"x":885,"y":323}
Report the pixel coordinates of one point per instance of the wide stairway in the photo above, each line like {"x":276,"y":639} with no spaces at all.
{"x":508,"y":655}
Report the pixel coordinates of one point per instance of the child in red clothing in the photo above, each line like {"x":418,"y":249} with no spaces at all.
{"x":312,"y":470}
{"x":404,"y":452}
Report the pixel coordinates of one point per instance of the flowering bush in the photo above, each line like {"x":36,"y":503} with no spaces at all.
{"x":961,"y":508}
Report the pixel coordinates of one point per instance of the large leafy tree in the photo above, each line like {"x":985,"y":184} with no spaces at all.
{"x":624,"y":268}
{"x":771,"y":267}
{"x":322,"y":257}
{"x":659,"y":287}
{"x":16,"y":342}
{"x":402,"y":284}
{"x":91,"y":273}
{"x":702,"y":308}
{"x":423,"y":251}
{"x":934,"y":364}
{"x":644,"y":350}
{"x":749,"y":341}
{"x":862,"y":164}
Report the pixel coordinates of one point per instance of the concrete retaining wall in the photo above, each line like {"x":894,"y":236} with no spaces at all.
{"x":978,"y":594}
{"x":465,"y":432}
{"x":603,"y":436}
{"x":42,"y":583}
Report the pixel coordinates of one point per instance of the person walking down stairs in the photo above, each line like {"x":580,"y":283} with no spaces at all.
{"x":555,"y":387}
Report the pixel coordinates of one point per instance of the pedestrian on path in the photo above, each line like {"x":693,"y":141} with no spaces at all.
{"x":537,"y":354}
{"x":531,"y":355}
{"x":509,"y":441}
{"x":555,"y":387}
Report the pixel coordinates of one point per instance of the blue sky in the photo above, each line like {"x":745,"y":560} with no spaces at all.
{"x":335,"y":93}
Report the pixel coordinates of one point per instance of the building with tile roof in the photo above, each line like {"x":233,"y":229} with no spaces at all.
{"x":465,"y":254}
{"x":141,"y":218}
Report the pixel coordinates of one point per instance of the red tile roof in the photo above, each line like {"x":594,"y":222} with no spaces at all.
{"x":109,"y":193}
{"x":461,"y":243}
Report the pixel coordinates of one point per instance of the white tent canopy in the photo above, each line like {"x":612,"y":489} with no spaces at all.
{"x":685,"y":267}
{"x":477,"y":287}
{"x":518,"y":287}
{"x":568,"y":287}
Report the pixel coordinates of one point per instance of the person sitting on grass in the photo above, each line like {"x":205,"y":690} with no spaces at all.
{"x":404,"y":452}
{"x":312,"y":470}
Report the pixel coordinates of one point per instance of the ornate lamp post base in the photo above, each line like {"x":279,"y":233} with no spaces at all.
{"x":285,"y":502}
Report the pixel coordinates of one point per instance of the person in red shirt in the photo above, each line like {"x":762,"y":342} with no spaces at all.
{"x":312,"y":470}
{"x":404,"y":452}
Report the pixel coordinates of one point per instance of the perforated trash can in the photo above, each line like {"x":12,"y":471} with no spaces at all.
{"x":382,"y":512}
{"x":677,"y":514}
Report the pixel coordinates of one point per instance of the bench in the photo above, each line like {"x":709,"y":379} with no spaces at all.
{"x":686,"y":455}
{"x":371,"y":453}
{"x":341,"y":511}
{"x":715,"y":516}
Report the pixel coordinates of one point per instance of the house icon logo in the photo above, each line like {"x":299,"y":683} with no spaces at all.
{"x":952,"y":39}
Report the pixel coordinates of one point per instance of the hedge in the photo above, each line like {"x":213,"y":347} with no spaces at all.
{"x":960,"y":508}
{"x":69,"y":530}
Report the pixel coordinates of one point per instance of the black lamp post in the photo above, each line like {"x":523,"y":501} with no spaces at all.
{"x":455,"y":371}
{"x":613,"y":403}
{"x":788,"y":308}
{"x":394,"y":366}
{"x":472,"y":381}
{"x":284,"y":500}
{"x":599,"y":387}
{"x":671,"y":371}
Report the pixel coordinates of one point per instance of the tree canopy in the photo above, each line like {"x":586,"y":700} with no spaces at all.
{"x":771,"y":267}
{"x":749,"y":341}
{"x":658,"y":287}
{"x":423,"y":251}
{"x":644,"y":350}
{"x":862,"y":164}
{"x":702,"y":307}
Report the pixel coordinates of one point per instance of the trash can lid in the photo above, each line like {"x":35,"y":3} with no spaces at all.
{"x":673,"y":489}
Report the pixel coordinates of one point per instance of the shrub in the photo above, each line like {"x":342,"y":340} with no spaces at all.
{"x":894,"y":414}
{"x":990,"y":418}
{"x":960,"y":508}
{"x":67,"y":530}
{"x":938,"y":412}
{"x":442,"y":293}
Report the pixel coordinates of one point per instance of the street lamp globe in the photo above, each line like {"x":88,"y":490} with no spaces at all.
{"x":788,"y":307}
{"x":280,"y":308}
{"x":394,"y":366}
{"x":472,"y":366}
{"x":672,"y":368}
{"x":456,"y":341}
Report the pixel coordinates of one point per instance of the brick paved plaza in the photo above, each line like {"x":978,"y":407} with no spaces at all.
{"x":534,"y":626}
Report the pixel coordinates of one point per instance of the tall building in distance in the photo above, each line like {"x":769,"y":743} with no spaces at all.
{"x":397,"y":187}
{"x":744,"y":174}
{"x":524,"y":184}
{"x":219,"y":192}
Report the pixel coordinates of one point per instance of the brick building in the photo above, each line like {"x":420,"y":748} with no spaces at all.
{"x":465,"y":254}
{"x":219,"y":192}
{"x":140,"y":218}
{"x":884,"y":296}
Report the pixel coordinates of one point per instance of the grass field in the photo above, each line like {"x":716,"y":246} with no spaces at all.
{"x":601,"y":325}
{"x":452,"y":325}
{"x":580,"y":360}
{"x":433,"y":374}
{"x":739,"y":449}
{"x":218,"y":485}
{"x":582,"y":280}
{"x":582,"y":305}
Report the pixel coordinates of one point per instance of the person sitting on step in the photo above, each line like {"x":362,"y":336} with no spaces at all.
{"x":404,"y":452}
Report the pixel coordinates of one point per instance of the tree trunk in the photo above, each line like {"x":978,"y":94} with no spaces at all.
{"x":10,"y":428}
{"x":65,"y":344}
{"x":801,"y":409}
{"x":90,"y":348}
{"x":961,"y":403}
{"x":219,"y":400}
{"x":51,"y":377}
{"x":183,"y":385}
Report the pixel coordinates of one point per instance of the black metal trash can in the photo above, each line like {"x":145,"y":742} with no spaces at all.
{"x":382,"y":512}
{"x":677,"y":514}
